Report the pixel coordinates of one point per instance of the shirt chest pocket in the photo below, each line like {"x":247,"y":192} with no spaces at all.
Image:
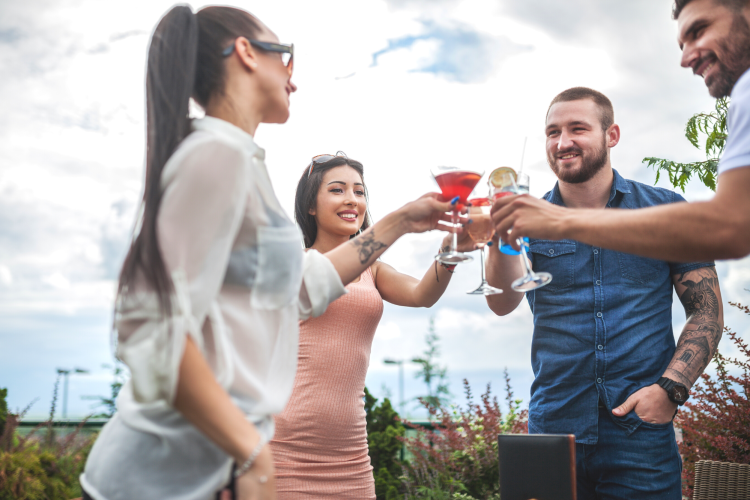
{"x":556,"y":258}
{"x":279,"y":272}
{"x":641,"y":270}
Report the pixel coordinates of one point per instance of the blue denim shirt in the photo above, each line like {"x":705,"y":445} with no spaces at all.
{"x":602,"y":327}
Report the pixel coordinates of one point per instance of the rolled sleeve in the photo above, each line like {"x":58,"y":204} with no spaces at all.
{"x":321,"y":285}
{"x":204,"y":195}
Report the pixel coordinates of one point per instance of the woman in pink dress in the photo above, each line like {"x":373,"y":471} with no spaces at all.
{"x":320,"y":445}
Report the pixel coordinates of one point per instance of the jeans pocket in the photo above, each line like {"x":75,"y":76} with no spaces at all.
{"x":649,"y":425}
{"x":556,"y":258}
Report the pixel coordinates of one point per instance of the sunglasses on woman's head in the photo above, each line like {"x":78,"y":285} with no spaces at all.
{"x":286,"y":51}
{"x":323,"y":159}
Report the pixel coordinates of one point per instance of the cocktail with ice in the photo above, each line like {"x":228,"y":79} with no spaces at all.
{"x":454,"y":183}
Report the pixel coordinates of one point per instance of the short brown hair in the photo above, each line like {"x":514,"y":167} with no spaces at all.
{"x":735,"y":6}
{"x":601,"y":100}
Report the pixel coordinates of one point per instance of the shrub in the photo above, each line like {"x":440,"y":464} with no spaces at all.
{"x":46,"y":468}
{"x":384,"y":431}
{"x":716,"y":423}
{"x":460,"y":458}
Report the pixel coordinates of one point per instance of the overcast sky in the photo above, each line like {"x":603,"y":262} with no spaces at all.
{"x":400,"y":85}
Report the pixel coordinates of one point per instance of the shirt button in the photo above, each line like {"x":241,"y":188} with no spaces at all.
{"x":551,"y":251}
{"x":598,"y":315}
{"x":598,"y":282}
{"x":598,"y":381}
{"x":596,"y":251}
{"x":600,"y":347}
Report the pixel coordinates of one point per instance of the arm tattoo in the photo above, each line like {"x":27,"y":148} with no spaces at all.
{"x":702,"y":333}
{"x":367,"y":245}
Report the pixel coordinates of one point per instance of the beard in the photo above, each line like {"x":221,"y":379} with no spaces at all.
{"x":591,"y":163}
{"x":736,"y":49}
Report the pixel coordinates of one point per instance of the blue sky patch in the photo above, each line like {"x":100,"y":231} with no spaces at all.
{"x":464,"y":55}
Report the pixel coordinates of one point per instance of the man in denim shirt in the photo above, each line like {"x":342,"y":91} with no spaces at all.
{"x":603,"y":351}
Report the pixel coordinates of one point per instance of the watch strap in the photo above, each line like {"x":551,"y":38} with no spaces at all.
{"x":668,"y":385}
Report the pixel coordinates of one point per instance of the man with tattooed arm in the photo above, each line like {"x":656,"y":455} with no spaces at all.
{"x":603,"y":351}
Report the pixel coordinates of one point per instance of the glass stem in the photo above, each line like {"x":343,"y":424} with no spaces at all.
{"x":525,"y":259}
{"x":481,"y":264}
{"x":455,"y":235}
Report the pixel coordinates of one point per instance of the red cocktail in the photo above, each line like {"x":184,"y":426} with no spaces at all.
{"x":455,"y":182}
{"x":458,"y":183}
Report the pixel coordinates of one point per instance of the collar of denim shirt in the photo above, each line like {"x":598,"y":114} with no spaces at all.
{"x":619,"y":184}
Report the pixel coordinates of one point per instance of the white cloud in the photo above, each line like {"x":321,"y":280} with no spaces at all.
{"x":6,"y":277}
{"x":388,"y":330}
{"x":57,"y":280}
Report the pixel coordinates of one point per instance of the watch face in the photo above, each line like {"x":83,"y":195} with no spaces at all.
{"x":680,"y":393}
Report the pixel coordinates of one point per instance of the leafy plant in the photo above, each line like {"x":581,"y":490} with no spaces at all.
{"x":432,"y":372}
{"x":713,"y":126}
{"x":384,"y":431}
{"x":460,"y":456}
{"x":110,"y":403}
{"x":3,"y":409}
{"x":34,"y":468}
{"x":716,"y":421}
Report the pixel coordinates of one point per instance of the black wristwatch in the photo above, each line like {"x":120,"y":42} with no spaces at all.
{"x":677,"y":392}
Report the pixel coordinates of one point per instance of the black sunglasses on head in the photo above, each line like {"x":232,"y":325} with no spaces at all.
{"x":322,"y":159}
{"x":286,"y":51}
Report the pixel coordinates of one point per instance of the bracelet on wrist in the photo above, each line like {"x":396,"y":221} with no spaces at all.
{"x":448,"y":267}
{"x":248,"y":464}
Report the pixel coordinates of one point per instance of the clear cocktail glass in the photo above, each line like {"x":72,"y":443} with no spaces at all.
{"x":480,"y":230}
{"x":531,"y":280}
{"x":454,"y":183}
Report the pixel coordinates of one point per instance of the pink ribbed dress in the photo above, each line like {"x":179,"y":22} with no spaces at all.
{"x":320,"y":445}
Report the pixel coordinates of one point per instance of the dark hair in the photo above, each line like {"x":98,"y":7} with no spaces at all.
{"x":307,"y":196}
{"x":577,"y":93}
{"x":184,"y":60}
{"x":735,"y":6}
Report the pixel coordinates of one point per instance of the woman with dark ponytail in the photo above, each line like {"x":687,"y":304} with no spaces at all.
{"x":215,"y":280}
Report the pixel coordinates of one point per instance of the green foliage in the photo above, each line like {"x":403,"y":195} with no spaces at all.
{"x":460,"y":456}
{"x":3,"y":409}
{"x":110,"y":403}
{"x":432,"y":372}
{"x":383,"y":432}
{"x":714,"y":127}
{"x":46,"y":468}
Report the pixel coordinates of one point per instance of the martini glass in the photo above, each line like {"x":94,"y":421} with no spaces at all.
{"x":531,"y":280}
{"x":481,"y":230}
{"x":454,"y":183}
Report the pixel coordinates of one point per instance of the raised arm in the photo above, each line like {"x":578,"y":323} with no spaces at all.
{"x":502,"y":270}
{"x":350,"y":259}
{"x":679,"y":232}
{"x":404,"y":290}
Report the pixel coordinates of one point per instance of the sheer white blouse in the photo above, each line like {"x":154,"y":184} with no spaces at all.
{"x":241,"y":284}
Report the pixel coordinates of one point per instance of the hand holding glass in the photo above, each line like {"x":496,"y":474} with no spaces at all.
{"x":458,"y":183}
{"x":531,"y":280}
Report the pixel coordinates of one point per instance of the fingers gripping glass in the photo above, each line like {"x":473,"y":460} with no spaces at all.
{"x":531,"y":280}
{"x":286,"y":51}
{"x":322,"y":159}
